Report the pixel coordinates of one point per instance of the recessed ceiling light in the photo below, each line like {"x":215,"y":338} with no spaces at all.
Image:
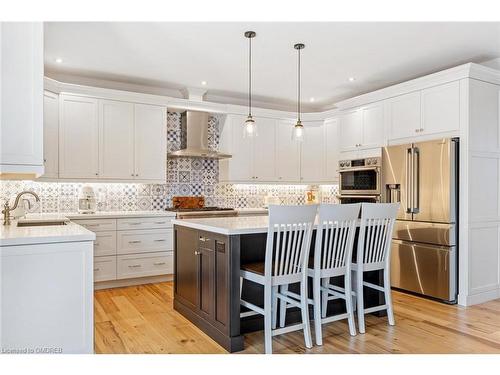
{"x":352,"y":79}
{"x":59,"y":60}
{"x":311,"y":100}
{"x":204,"y":83}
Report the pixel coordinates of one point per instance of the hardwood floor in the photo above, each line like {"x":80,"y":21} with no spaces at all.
{"x":141,"y":319}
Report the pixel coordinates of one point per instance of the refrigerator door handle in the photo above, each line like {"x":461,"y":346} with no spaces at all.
{"x":409,"y":180}
{"x":416,"y":180}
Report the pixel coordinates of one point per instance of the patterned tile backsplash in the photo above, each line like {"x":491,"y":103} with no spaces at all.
{"x":185,"y":176}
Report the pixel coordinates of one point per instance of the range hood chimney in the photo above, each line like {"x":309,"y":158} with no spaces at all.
{"x":196,"y":125}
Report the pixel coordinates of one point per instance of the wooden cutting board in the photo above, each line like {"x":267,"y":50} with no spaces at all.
{"x":188,"y":202}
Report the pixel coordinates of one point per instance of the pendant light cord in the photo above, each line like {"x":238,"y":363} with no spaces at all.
{"x":250,"y":77}
{"x":298,"y":91}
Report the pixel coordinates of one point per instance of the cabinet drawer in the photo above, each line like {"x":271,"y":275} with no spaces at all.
{"x":144,"y":241}
{"x":97,"y":225}
{"x":105,"y":243}
{"x":140,"y":265}
{"x":145,"y":223}
{"x":104,"y":268}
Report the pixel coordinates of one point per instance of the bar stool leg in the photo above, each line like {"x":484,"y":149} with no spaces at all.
{"x":360,"y":302}
{"x":268,"y":343}
{"x":275,"y":305}
{"x":317,"y":309}
{"x":388,"y":297}
{"x":284,"y":289}
{"x":324,"y":296}
{"x":349,"y":304}
{"x":305,"y":312}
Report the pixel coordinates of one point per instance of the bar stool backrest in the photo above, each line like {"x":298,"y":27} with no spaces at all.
{"x":374,"y":243}
{"x":335,"y":236}
{"x":289,"y":239}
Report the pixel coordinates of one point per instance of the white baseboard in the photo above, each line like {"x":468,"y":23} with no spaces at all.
{"x":130,"y":282}
{"x":478,"y":298}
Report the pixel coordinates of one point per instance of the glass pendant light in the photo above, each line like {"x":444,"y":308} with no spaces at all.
{"x":298,"y":128}
{"x":250,"y":126}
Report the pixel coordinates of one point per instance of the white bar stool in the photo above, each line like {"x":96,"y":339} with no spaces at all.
{"x":332,"y":257}
{"x":373,"y":254}
{"x":287,"y":252}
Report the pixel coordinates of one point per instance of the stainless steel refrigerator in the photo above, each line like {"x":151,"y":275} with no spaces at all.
{"x":423,"y":177}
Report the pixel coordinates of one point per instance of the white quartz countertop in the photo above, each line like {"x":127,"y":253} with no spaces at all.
{"x":13,"y":235}
{"x":228,"y":225}
{"x":252,"y":211}
{"x":118,"y":214}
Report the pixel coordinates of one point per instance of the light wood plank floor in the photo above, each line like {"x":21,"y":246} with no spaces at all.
{"x":141,"y":319}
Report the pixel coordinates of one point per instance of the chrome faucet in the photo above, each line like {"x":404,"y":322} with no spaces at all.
{"x":7,"y":209}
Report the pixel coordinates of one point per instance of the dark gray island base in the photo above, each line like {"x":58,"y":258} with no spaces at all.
{"x":207,"y":283}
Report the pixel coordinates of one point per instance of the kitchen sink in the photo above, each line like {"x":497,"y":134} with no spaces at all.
{"x":40,"y":223}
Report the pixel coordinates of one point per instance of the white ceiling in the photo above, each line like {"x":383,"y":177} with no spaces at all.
{"x":176,"y":55}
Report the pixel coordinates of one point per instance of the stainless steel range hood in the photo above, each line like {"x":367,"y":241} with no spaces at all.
{"x":196,"y":125}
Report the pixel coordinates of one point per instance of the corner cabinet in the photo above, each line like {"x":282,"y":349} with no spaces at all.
{"x":111,"y":140}
{"x":362,"y":128}
{"x":21,"y":99}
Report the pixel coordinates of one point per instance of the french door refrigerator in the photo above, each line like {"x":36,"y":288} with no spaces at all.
{"x":423,"y":178}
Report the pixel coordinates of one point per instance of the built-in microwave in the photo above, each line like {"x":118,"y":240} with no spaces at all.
{"x":360,"y":176}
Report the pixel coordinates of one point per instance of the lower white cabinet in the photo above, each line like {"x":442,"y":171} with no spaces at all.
{"x":141,"y":265}
{"x":131,"y":247}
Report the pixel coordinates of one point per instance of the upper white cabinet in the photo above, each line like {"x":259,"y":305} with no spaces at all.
{"x":429,"y":111}
{"x":253,"y":158}
{"x":287,"y":153}
{"x":403,"y":115}
{"x":150,"y":146}
{"x":362,"y":128}
{"x":116,"y":140}
{"x":332,"y":149}
{"x":51,"y":134}
{"x":441,"y":108}
{"x":78,"y":137}
{"x":111,"y":140}
{"x":21,"y":98}
{"x":313,"y":153}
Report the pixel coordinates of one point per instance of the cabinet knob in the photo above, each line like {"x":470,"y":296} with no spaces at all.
{"x":132,"y":175}
{"x":136,"y":175}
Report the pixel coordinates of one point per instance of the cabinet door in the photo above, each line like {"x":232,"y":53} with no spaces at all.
{"x":78,"y":137}
{"x":186,"y":266}
{"x":150,"y":142}
{"x":312,"y":164}
{"x":241,"y":163}
{"x":441,"y":108}
{"x":351,"y":130}
{"x":206,"y":279}
{"x":116,"y":140}
{"x":403,"y":116}
{"x":21,"y":94}
{"x":287,"y":153}
{"x":222,"y":292}
{"x":332,"y":149}
{"x":373,"y":126}
{"x":50,"y":134}
{"x":264,"y":151}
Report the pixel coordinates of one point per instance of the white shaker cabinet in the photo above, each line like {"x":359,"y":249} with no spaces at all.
{"x":116,"y":140}
{"x":264,"y":151}
{"x":50,"y":134}
{"x":239,"y":167}
{"x":332,"y":149}
{"x":404,"y":115}
{"x":441,"y":108}
{"x":312,"y":155}
{"x":150,"y":145}
{"x":21,"y":98}
{"x":351,"y":130}
{"x":287,"y":153}
{"x":78,"y":137}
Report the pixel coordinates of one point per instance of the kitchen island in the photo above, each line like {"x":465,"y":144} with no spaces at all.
{"x":208,"y":254}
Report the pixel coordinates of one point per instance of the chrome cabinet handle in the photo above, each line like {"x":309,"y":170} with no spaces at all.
{"x":96,"y":243}
{"x":203,"y":239}
{"x":91,"y":225}
{"x":134,"y":241}
{"x":134,"y":266}
{"x":160,"y":240}
{"x":159,"y":263}
{"x":134,"y":223}
{"x":96,"y":269}
{"x":160,"y":222}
